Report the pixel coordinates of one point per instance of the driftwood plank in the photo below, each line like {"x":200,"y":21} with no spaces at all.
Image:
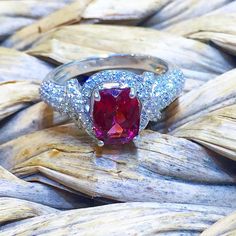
{"x":199,"y":61}
{"x":155,"y":169}
{"x":122,"y":11}
{"x":179,"y":10}
{"x":113,"y":11}
{"x":225,"y":226}
{"x":123,"y":219}
{"x":15,"y":15}
{"x":216,"y":28}
{"x":10,"y":24}
{"x":33,"y":118}
{"x":227,"y":8}
{"x":68,"y":15}
{"x":18,"y":66}
{"x":6,"y":175}
{"x":13,"y":187}
{"x":16,"y":95}
{"x":60,"y":168}
{"x":15,"y":209}
{"x":32,"y":9}
{"x":215,"y":131}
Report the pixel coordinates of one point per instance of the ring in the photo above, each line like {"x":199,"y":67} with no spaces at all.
{"x":114,"y":97}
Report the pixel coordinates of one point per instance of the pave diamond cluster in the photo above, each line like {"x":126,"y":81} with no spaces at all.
{"x":113,"y":106}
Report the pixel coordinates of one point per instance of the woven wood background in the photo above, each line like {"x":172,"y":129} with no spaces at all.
{"x":178,"y":179}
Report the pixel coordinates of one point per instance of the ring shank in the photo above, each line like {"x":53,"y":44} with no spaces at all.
{"x":118,"y":61}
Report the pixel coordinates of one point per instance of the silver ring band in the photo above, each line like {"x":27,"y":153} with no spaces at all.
{"x":155,"y":82}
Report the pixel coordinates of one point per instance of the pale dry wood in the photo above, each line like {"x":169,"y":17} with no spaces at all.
{"x":179,"y":10}
{"x":224,"y":227}
{"x":227,"y":8}
{"x":123,"y":219}
{"x":68,"y":15}
{"x":15,"y":15}
{"x":160,"y":167}
{"x":13,"y":187}
{"x":33,"y":118}
{"x":43,"y":194}
{"x":10,"y":25}
{"x":15,"y":209}
{"x":155,"y":169}
{"x":15,"y":95}
{"x":211,"y":96}
{"x":112,"y":11}
{"x":216,"y":28}
{"x":217,"y":131}
{"x":6,"y":175}
{"x":121,"y":11}
{"x":31,"y":9}
{"x":199,"y":61}
{"x":15,"y":65}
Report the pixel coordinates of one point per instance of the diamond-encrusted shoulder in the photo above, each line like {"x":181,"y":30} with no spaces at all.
{"x":163,"y":89}
{"x":54,"y":95}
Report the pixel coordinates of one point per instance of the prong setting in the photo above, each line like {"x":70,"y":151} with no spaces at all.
{"x":133,"y":92}
{"x":136,"y":138}
{"x":100,"y":143}
{"x":97,"y":95}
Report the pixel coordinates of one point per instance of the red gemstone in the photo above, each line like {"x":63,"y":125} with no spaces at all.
{"x":116,"y":116}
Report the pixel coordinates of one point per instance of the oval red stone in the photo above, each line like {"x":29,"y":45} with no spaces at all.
{"x":116,"y":116}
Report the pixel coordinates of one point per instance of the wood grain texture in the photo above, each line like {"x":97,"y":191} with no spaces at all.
{"x":68,"y":15}
{"x":225,"y":9}
{"x":178,"y":183}
{"x":36,"y":117}
{"x":132,"y":174}
{"x":9,"y":25}
{"x":113,"y":11}
{"x":200,"y":62}
{"x":180,"y":10}
{"x":130,"y":12}
{"x":217,"y":28}
{"x":45,"y":194}
{"x":18,"y":66}
{"x":32,"y":9}
{"x":216,"y":131}
{"x":225,"y":226}
{"x":123,"y":219}
{"x":15,"y":95}
{"x":15,"y":209}
{"x":15,"y":15}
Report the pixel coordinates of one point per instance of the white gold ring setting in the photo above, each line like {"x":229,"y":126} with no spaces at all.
{"x":113,"y":98}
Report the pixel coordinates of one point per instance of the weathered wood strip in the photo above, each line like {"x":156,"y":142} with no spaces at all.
{"x":200,"y":62}
{"x":97,"y":11}
{"x":225,"y":226}
{"x":216,"y":28}
{"x":18,"y":66}
{"x":16,"y":95}
{"x":123,"y":219}
{"x":155,"y":169}
{"x":15,"y":209}
{"x":180,"y":10}
{"x":216,"y":131}
{"x":30,"y":119}
{"x":13,"y":187}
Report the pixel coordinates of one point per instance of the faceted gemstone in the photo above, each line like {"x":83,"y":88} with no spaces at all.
{"x":116,"y":116}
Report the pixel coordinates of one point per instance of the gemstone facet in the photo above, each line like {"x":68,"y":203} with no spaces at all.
{"x":116,"y":116}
